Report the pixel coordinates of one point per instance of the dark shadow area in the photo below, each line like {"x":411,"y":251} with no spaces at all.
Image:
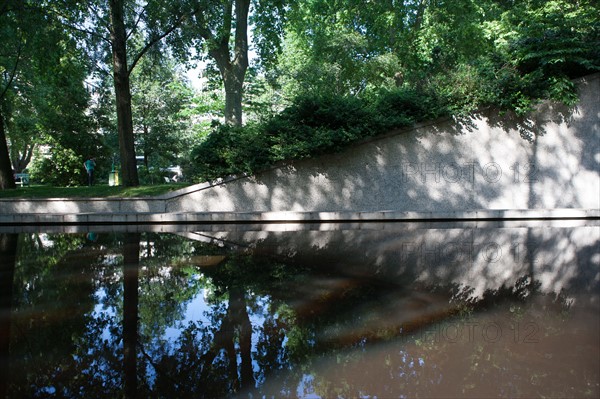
{"x":8,"y":252}
{"x":131,"y":264}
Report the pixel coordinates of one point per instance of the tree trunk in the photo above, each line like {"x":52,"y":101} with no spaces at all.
{"x":239,"y":316}
{"x":7,"y":180}
{"x":20,"y":160}
{"x":118,"y":38}
{"x":233,"y":83}
{"x":233,"y":71}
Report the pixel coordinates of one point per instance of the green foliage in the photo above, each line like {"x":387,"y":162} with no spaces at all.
{"x":268,"y":20}
{"x":401,"y":107}
{"x":315,"y":125}
{"x":45,"y":101}
{"x":230,"y":150}
{"x":473,"y":54}
{"x":160,"y":103}
{"x":63,"y":168}
{"x":538,"y":59}
{"x":560,"y":38}
{"x":463,"y":88}
{"x":311,"y":126}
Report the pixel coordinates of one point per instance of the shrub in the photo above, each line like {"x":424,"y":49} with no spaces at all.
{"x":311,"y":126}
{"x":230,"y":150}
{"x":402,"y":107}
{"x":315,"y":125}
{"x":63,"y":168}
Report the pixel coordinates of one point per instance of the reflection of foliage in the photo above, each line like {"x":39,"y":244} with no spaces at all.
{"x":63,"y":276}
{"x":49,"y":296}
{"x":165,"y":286}
{"x":194,"y":364}
{"x":205,"y":356}
{"x":271,"y":326}
{"x":99,"y":374}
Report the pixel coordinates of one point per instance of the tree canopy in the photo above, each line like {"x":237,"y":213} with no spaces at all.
{"x":397,"y":63}
{"x":276,"y":61}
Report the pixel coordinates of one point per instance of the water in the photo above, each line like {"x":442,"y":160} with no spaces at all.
{"x":404,"y":310}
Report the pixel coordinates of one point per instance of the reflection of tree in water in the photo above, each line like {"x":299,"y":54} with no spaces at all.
{"x":272,"y":325}
{"x":215,"y":358}
{"x":64,"y":345}
{"x":310,"y":315}
{"x":48,"y":300}
{"x":144,"y":290}
{"x":205,"y":359}
{"x":8,"y":252}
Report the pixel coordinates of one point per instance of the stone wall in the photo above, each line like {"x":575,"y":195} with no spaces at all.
{"x":490,"y":161}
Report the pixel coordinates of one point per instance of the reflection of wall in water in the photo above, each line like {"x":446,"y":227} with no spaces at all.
{"x":480,"y":258}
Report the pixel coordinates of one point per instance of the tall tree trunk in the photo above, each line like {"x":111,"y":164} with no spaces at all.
{"x":7,"y":180}
{"x":233,"y":83}
{"x":118,"y":38}
{"x":233,"y":71}
{"x":8,"y":252}
{"x":131,"y":262}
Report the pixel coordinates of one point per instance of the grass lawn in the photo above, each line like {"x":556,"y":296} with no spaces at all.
{"x":99,"y":191}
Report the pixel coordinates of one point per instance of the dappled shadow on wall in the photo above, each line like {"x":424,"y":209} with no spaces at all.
{"x":392,"y":310}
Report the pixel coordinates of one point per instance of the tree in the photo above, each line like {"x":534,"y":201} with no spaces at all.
{"x":50,"y":109}
{"x":10,"y":57}
{"x":22,"y":136}
{"x":221,"y":21}
{"x":115,"y":27}
{"x":344,"y":47}
{"x":543,"y":46}
{"x":222,"y":34}
{"x":43,"y":97}
{"x":7,"y":180}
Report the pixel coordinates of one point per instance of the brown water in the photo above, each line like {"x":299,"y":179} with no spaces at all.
{"x":372,"y":310}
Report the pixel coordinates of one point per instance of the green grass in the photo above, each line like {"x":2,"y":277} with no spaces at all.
{"x":100,"y":191}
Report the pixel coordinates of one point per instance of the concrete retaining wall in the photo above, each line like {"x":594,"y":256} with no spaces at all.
{"x":550,"y":160}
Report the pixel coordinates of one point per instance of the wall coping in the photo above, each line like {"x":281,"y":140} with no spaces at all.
{"x":297,"y":217}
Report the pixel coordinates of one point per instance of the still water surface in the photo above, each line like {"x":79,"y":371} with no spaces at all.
{"x":310,"y":311}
